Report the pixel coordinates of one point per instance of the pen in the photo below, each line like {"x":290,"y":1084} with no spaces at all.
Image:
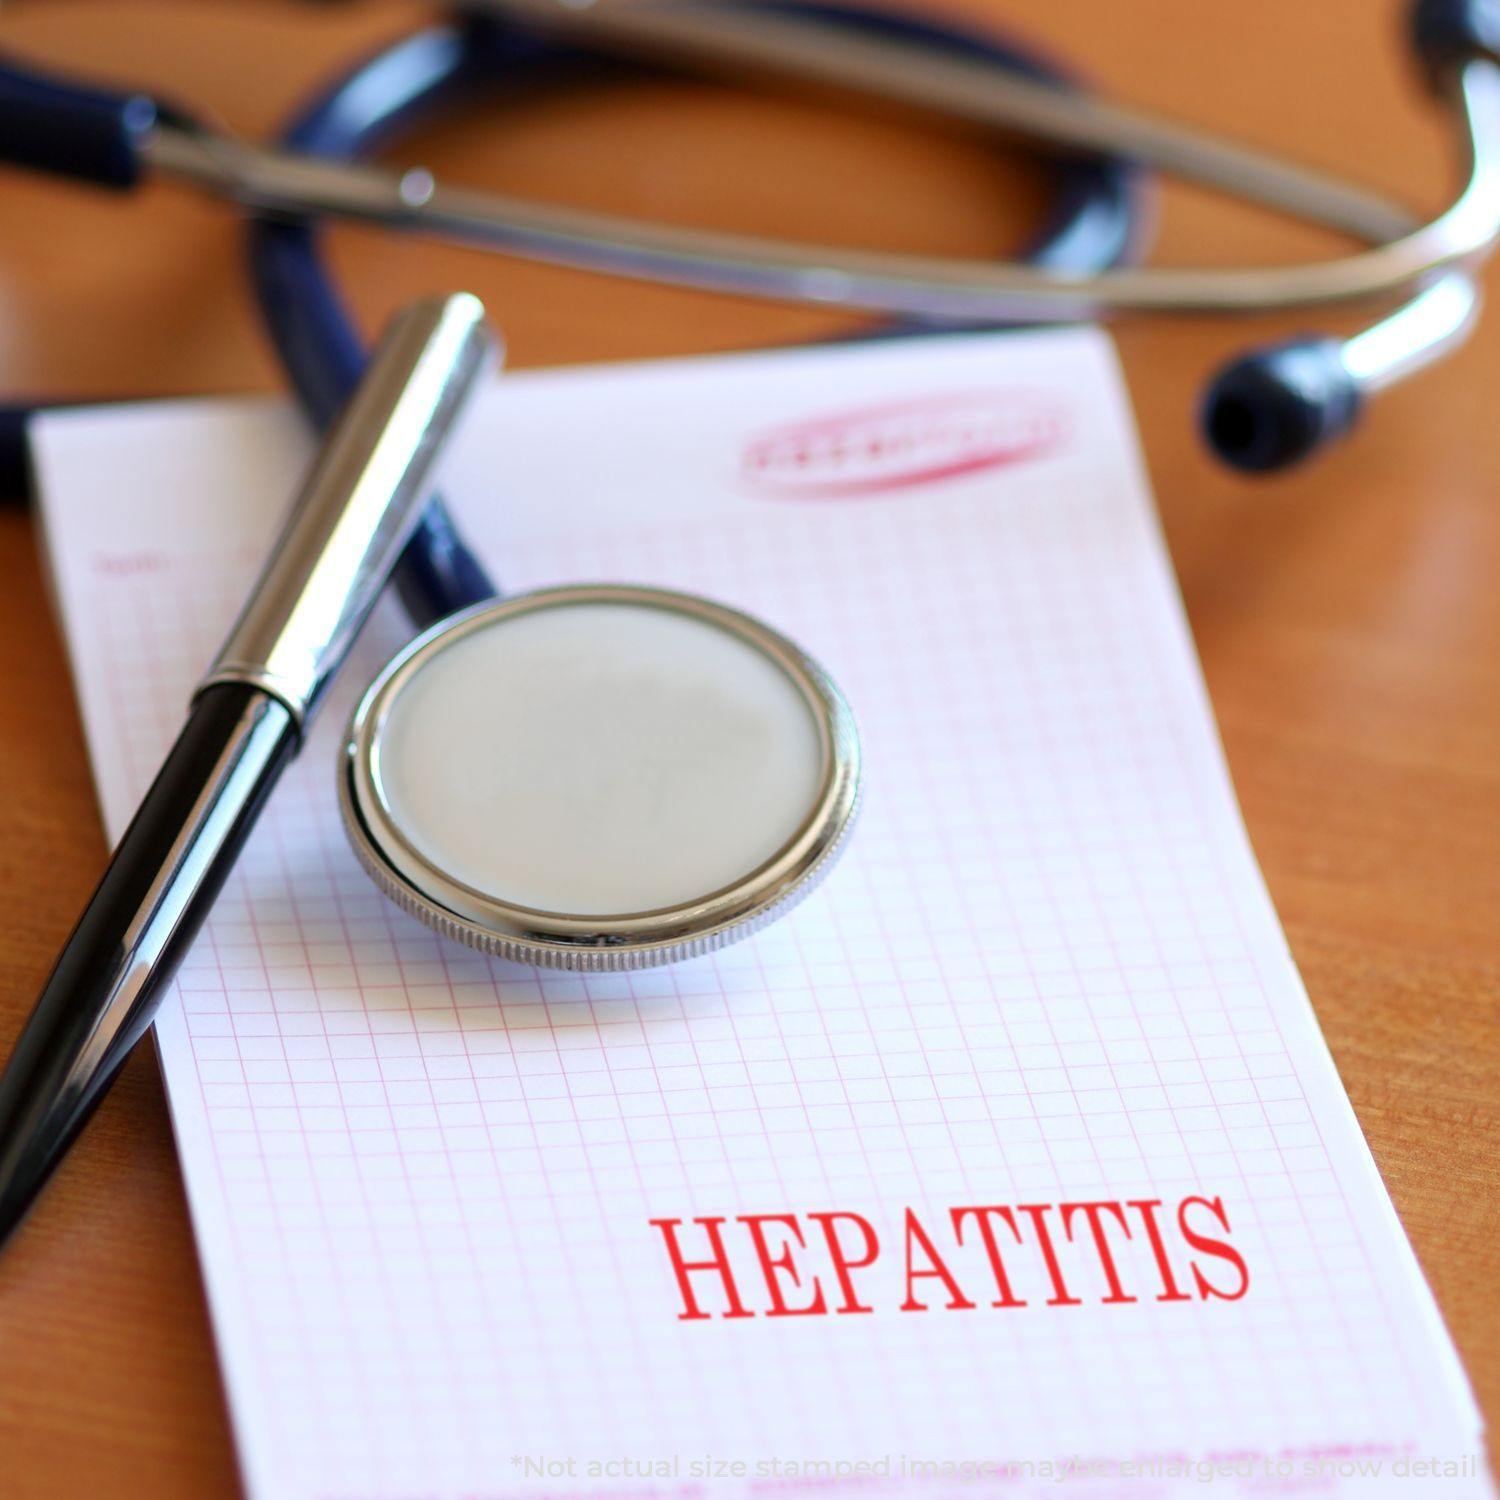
{"x":246,"y":722}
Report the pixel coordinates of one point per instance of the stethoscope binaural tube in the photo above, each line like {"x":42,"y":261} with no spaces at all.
{"x":1266,"y":410}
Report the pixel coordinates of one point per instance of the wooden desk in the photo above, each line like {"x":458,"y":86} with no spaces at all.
{"x":1348,"y":617}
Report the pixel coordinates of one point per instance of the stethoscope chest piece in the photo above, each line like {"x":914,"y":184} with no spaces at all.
{"x":599,"y":777}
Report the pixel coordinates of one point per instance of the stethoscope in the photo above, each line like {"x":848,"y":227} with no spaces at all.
{"x":554,"y":871}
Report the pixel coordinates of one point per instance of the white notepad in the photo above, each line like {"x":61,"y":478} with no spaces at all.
{"x":448,"y":1209}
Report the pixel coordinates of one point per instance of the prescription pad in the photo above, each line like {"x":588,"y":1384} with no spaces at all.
{"x":1012,"y":1162}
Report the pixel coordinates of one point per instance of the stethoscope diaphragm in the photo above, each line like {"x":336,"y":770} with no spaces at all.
{"x":599,"y":777}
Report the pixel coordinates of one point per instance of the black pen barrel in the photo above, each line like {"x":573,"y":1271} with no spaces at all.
{"x":153,"y":898}
{"x":344,"y":530}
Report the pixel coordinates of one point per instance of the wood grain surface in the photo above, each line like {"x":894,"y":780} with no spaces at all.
{"x":1348,"y":617}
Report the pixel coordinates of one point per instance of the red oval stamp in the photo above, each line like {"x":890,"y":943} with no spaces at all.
{"x":875,"y":450}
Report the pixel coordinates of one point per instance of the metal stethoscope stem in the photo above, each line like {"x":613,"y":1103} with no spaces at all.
{"x":1405,"y":254}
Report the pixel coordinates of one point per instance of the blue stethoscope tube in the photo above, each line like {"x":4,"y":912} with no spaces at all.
{"x":1091,"y":225}
{"x":1264,"y":411}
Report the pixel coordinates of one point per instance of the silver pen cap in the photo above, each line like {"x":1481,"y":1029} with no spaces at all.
{"x":358,"y":505}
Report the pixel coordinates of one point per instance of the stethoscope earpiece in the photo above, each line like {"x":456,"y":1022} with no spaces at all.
{"x":1275,"y":406}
